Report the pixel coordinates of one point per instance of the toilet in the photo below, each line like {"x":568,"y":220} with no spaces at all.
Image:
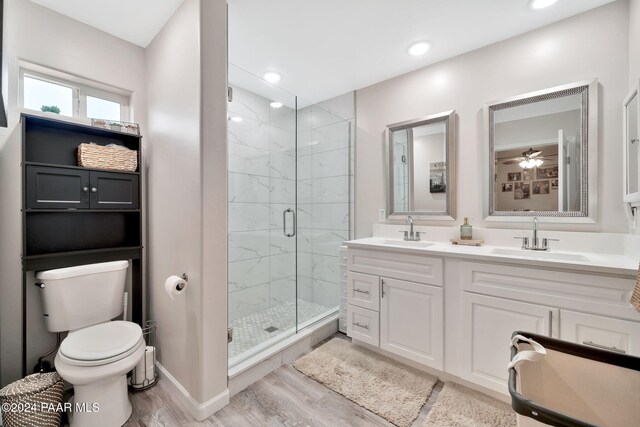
{"x":98,"y":352}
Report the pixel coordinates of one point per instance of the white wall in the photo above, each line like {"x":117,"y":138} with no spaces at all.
{"x":39,"y":35}
{"x":634,"y":41}
{"x":426,"y":150}
{"x":593,"y":44}
{"x":187,"y":220}
{"x":213,"y":132}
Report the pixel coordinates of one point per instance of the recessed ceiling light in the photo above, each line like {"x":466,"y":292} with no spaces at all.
{"x":418,"y":48}
{"x":541,"y":4}
{"x":236,"y":119}
{"x":272,"y":77}
{"x":276,"y":104}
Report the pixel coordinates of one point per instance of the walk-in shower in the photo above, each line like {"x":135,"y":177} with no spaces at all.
{"x":289,"y":210}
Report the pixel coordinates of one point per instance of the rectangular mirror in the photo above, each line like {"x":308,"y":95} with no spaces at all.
{"x":631,"y":147}
{"x":542,"y":154}
{"x":421,"y":169}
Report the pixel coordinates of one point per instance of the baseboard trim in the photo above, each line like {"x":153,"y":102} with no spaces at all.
{"x":199,"y":411}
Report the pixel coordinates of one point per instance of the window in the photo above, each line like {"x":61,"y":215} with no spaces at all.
{"x":72,"y":96}
{"x":38,"y":93}
{"x":99,"y":108}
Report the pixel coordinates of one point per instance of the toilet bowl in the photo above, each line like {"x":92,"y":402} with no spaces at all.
{"x":96,"y":360}
{"x":98,"y":352}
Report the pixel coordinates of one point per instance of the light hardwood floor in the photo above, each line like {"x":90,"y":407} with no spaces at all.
{"x":283,"y":398}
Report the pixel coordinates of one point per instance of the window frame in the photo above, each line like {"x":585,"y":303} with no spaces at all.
{"x":80,"y":91}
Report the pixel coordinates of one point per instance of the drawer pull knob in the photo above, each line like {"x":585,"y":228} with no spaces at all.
{"x":361,"y":291}
{"x":604,"y":347}
{"x":94,"y":190}
{"x":361,"y":326}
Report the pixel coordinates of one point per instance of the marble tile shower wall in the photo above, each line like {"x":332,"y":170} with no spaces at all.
{"x":324,"y":195}
{"x":261,"y":186}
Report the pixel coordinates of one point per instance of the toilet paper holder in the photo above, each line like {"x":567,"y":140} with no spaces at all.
{"x":144,"y":375}
{"x":185,"y":276}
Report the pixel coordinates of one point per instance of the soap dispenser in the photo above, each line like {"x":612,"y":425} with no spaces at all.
{"x":466,"y":231}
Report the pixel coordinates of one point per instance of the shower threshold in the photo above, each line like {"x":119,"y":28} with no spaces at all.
{"x":241,"y":357}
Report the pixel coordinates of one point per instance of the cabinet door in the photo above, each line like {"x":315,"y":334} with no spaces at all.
{"x":620,"y":336}
{"x":111,"y":190}
{"x":363,"y":290}
{"x":488,"y":325}
{"x":56,"y":188}
{"x":411,"y":321}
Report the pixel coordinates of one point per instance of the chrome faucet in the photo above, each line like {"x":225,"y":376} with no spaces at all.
{"x":533,"y":244}
{"x":410,"y":235}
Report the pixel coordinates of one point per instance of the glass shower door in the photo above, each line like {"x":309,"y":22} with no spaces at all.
{"x":324,"y":169}
{"x":262,"y":203}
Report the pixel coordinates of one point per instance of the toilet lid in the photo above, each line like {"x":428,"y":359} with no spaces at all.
{"x":100,"y":342}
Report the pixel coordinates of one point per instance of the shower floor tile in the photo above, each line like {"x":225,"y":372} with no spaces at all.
{"x":254,"y":329}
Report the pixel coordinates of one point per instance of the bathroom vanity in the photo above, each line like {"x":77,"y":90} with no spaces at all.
{"x":453,"y":309}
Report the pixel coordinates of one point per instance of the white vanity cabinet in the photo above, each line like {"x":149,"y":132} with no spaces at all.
{"x":399,"y":301}
{"x":395,"y":302}
{"x":500,"y":299}
{"x":489,"y":323}
{"x":617,"y":335}
{"x":411,"y":321}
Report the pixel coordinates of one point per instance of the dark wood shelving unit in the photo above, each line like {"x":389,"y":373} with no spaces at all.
{"x":73,"y":215}
{"x":79,"y":167}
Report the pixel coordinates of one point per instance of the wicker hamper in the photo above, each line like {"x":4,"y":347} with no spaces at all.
{"x":104,"y":157}
{"x":32,"y":401}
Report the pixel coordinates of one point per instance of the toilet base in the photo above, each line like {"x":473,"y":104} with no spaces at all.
{"x":102,"y":404}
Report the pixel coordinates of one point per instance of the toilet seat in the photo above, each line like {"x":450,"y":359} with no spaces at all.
{"x":101,"y":344}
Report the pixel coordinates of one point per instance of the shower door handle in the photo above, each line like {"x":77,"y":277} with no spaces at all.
{"x":284,"y":222}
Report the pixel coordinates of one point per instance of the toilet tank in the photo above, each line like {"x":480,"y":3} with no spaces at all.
{"x":85,"y":295}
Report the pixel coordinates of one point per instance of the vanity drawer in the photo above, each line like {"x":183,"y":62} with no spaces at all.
{"x":413,"y":268}
{"x":599,"y":294}
{"x":601,"y":332}
{"x":363,"y":290}
{"x":363,"y":325}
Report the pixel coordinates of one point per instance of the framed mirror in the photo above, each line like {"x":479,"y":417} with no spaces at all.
{"x":542,"y":155}
{"x":421,"y":168}
{"x":631,"y":146}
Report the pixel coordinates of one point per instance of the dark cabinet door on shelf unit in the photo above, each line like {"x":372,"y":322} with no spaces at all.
{"x":111,"y":190}
{"x":50,"y":187}
{"x":56,"y":188}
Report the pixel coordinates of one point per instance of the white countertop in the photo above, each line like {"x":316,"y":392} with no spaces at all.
{"x":594,"y":263}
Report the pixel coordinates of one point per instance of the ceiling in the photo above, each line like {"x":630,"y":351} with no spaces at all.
{"x":329,"y":47}
{"x":137,"y":21}
{"x":324,"y":48}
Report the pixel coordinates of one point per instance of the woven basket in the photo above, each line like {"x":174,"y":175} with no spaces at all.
{"x":101,"y":157}
{"x":34,"y":400}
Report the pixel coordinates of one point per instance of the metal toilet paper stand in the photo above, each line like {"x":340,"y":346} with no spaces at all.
{"x":149,"y":335}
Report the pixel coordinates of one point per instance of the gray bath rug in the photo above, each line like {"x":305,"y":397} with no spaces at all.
{"x":383,"y":386}
{"x":459,"y":406}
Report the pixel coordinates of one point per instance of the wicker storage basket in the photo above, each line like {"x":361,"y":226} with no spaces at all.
{"x":33,"y":401}
{"x":101,"y":157}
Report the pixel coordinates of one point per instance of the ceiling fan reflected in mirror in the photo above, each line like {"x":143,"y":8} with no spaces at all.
{"x":529,"y":159}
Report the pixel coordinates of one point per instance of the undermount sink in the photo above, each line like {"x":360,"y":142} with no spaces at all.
{"x":540,"y":255}
{"x":407,"y":243}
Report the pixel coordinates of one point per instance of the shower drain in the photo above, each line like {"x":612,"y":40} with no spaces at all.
{"x":271,"y":329}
